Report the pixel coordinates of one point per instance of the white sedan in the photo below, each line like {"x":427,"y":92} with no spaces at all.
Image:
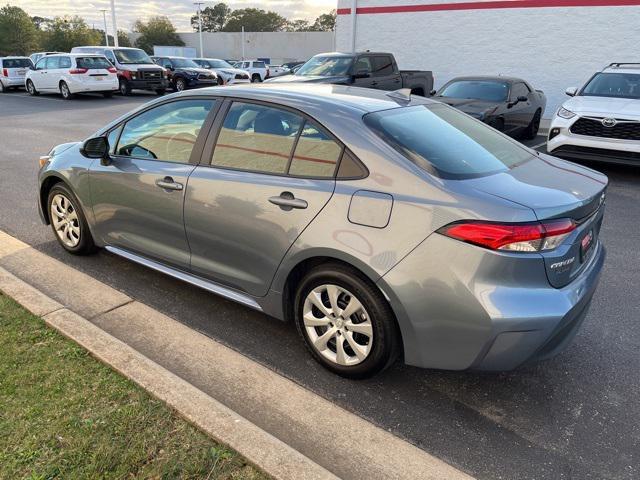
{"x":71,"y":73}
{"x":601,"y":121}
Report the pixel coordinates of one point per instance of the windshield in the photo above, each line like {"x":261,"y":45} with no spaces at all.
{"x":446,"y":142}
{"x":326,"y":67}
{"x":219,"y":64}
{"x":132,"y":56}
{"x":184,"y":63}
{"x":620,"y":85}
{"x":488,"y":90}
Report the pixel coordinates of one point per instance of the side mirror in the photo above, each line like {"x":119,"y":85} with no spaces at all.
{"x":571,"y":91}
{"x":432,"y":93}
{"x":97,"y":147}
{"x":362,"y":74}
{"x":522,"y":98}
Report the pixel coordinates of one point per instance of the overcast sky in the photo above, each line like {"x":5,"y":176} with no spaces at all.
{"x":179,"y":11}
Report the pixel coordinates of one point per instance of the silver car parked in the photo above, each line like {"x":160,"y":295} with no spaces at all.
{"x":381,"y":224}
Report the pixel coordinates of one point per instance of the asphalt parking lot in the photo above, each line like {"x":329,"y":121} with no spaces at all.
{"x":572,"y":417}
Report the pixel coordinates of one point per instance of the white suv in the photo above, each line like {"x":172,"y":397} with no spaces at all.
{"x":13,"y":71}
{"x":602,"y":119}
{"x":71,"y":73}
{"x":257,"y":69}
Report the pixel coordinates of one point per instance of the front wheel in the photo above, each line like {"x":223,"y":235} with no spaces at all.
{"x":68,"y":221}
{"x":180,"y":85}
{"x":345,"y":322}
{"x":31,"y":88}
{"x":124,"y":87}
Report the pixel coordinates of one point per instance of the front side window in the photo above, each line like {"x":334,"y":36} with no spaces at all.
{"x":488,"y":90}
{"x":256,"y":138}
{"x":363,"y":65}
{"x":316,"y":154}
{"x":167,"y":132}
{"x":617,"y":85}
{"x":52,"y":62}
{"x":446,"y":142}
{"x":519,"y":90}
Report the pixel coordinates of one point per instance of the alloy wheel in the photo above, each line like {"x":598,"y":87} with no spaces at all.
{"x":64,"y":89}
{"x":337,"y":325}
{"x":31,"y":88}
{"x":65,"y":220}
{"x":180,"y":85}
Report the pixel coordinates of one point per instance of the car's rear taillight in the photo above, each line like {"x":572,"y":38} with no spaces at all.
{"x":78,"y":71}
{"x":5,"y":72}
{"x":515,"y":237}
{"x":112,"y":70}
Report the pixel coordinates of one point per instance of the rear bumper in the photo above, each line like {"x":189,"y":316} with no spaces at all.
{"x":109,"y":84}
{"x":462,"y":307}
{"x":13,"y":81}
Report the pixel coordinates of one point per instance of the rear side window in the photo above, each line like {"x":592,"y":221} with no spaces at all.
{"x":93,"y":63}
{"x":446,"y":142}
{"x":382,"y":66}
{"x":316,"y":154}
{"x":65,"y":62}
{"x":15,"y":63}
{"x":167,"y":132}
{"x":258,"y":65}
{"x":256,"y":138}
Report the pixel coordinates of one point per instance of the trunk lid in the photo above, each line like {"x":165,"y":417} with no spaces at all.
{"x":554,"y":188}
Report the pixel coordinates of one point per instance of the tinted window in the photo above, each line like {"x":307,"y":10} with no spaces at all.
{"x":446,"y":142}
{"x":316,"y":154}
{"x":350,"y":167}
{"x":167,"y":132}
{"x":41,"y":64}
{"x":93,"y":63}
{"x":363,"y":64}
{"x":326,"y":66}
{"x":256,"y":138}
{"x":478,"y":89}
{"x":113,"y":139}
{"x":623,"y":85}
{"x":65,"y":62}
{"x":16,"y":63}
{"x":519,"y":90}
{"x":382,"y":66}
{"x":110,"y":56}
{"x":258,"y":65}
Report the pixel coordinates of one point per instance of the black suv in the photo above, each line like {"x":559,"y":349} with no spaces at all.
{"x":184,"y":73}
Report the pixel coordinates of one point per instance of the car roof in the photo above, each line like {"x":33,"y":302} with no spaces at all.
{"x":76,"y":54}
{"x":326,"y":97}
{"x":14,"y":57}
{"x":497,"y":78}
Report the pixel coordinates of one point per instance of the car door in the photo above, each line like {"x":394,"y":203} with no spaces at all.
{"x":385,"y":74}
{"x":44,"y":78}
{"x":519,"y":115}
{"x":138,"y":195}
{"x":363,"y":66}
{"x":270,"y":173}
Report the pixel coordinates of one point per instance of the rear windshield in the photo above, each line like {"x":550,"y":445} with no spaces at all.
{"x":93,"y":63}
{"x":620,"y":85}
{"x":133,"y":56}
{"x":16,"y":63}
{"x":446,"y":142}
{"x":488,"y":90}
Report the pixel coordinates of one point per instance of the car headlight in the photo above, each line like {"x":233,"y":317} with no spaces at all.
{"x":564,"y":113}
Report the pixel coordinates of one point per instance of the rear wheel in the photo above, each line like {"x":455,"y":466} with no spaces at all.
{"x":124,"y":87}
{"x":68,"y":221}
{"x":345,"y":322}
{"x":65,"y":92}
{"x":532,"y":129}
{"x":31,"y":88}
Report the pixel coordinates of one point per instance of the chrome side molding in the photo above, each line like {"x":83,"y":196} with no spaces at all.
{"x":187,"y":277}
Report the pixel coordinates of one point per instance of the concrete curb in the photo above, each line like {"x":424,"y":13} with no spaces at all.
{"x":259,"y":447}
{"x":285,"y":429}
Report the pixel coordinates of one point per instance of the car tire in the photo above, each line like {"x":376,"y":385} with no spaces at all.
{"x":359,"y":346}
{"x":68,"y":221}
{"x":124,"y":87}
{"x":160,"y":92}
{"x":3,"y":89}
{"x":107,"y":94}
{"x":180,"y":85}
{"x":532,"y":129}
{"x":31,"y":88}
{"x":255,"y":78}
{"x":65,"y":92}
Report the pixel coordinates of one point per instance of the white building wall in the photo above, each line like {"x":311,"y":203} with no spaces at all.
{"x":280,"y":47}
{"x":551,"y":47}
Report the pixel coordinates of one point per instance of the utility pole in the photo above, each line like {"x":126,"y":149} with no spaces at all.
{"x":104,"y":17}
{"x":115,"y":26}
{"x":354,"y":16}
{"x":243,"y":42}
{"x":200,"y":26}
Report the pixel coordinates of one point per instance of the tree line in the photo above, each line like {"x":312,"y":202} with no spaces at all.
{"x":21,"y":34}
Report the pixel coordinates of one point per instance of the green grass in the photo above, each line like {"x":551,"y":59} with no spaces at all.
{"x":65,"y":415}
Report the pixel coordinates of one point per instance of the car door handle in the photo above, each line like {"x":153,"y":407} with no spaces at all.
{"x":287,"y":201}
{"x":167,"y":183}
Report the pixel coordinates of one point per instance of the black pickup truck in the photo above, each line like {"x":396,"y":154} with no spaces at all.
{"x":361,"y":69}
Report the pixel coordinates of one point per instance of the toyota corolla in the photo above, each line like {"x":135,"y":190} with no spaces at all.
{"x":383,"y":225}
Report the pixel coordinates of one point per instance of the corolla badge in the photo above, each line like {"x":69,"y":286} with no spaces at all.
{"x":609,"y":122}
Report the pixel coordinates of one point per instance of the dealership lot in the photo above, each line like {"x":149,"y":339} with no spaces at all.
{"x":572,"y":417}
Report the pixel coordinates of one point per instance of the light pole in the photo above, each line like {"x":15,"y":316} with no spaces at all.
{"x":200,"y":26}
{"x":113,"y":20}
{"x":104,"y":17}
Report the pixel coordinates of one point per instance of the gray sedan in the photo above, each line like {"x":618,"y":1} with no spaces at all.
{"x":381,"y":224}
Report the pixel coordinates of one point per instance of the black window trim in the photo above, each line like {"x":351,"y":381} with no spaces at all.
{"x":198,"y":147}
{"x":216,"y":128}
